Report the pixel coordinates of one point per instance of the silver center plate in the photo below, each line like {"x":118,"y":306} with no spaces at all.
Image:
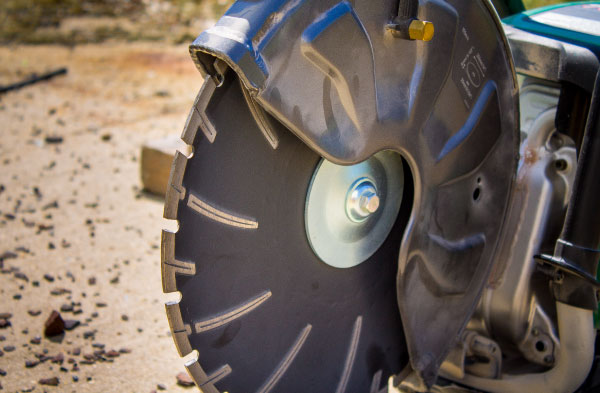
{"x":350,"y":210}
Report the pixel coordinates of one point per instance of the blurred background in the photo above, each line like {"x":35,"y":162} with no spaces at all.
{"x":94,"y":95}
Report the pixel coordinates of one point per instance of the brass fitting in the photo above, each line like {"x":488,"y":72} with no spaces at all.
{"x":420,"y":30}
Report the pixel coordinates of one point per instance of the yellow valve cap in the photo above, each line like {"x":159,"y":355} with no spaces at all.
{"x":420,"y":30}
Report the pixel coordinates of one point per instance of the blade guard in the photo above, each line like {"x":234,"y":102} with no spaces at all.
{"x":348,"y":88}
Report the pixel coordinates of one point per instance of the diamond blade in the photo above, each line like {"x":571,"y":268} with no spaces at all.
{"x":263,"y":311}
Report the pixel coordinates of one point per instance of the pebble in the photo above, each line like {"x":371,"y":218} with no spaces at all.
{"x":54,"y":381}
{"x":71,"y":324}
{"x":53,"y":139}
{"x":4,"y":323}
{"x":36,"y":340}
{"x":48,"y":277}
{"x":59,"y":291}
{"x":9,"y":348}
{"x":5,"y":315}
{"x":7,"y":255}
{"x":31,"y":363}
{"x":34,"y":313}
{"x":54,"y":325}
{"x":161,"y":386}
{"x":2,"y":373}
{"x":60,"y":358}
{"x":183,"y":379}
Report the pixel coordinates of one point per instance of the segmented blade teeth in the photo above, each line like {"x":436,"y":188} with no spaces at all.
{"x":197,"y":119}
{"x":175,"y":189}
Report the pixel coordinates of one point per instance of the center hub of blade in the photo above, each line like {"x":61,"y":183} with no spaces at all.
{"x":362,"y":200}
{"x":350,"y":210}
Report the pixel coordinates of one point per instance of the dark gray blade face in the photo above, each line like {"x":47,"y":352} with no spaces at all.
{"x":264,"y":313}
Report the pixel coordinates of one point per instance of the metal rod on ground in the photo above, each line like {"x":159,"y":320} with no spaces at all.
{"x":33,"y":79}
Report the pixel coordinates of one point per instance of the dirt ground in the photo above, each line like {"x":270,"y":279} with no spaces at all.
{"x":76,"y":231}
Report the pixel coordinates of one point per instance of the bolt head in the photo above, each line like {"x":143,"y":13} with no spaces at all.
{"x":372,"y":204}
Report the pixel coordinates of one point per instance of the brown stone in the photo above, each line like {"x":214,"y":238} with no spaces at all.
{"x":183,"y":379}
{"x":54,"y":325}
{"x":54,"y":381}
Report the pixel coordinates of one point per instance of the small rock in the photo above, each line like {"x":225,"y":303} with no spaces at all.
{"x":125,"y":350}
{"x":9,"y":348}
{"x":2,"y":373}
{"x":59,"y":291}
{"x":34,"y":313}
{"x":98,"y":345}
{"x":4,"y":323}
{"x":7,"y":255}
{"x":92,"y":281}
{"x":89,"y":334}
{"x":36,"y":340}
{"x":49,"y":277}
{"x":101,"y":304}
{"x":71,"y":324}
{"x":75,"y":378}
{"x":17,"y":296}
{"x":124,"y":318}
{"x":31,"y":363}
{"x":66,"y":307}
{"x":5,"y":315}
{"x":115,"y":280}
{"x":161,"y":386}
{"x":106,"y":137}
{"x":49,"y":381}
{"x":51,"y":246}
{"x":60,"y":358}
{"x":51,"y":205}
{"x":53,"y":139}
{"x":54,"y":325}
{"x":21,"y":276}
{"x":183,"y":379}
{"x":112,"y":354}
{"x":77,"y":351}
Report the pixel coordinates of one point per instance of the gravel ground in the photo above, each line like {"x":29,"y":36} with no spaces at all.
{"x":77,"y":235}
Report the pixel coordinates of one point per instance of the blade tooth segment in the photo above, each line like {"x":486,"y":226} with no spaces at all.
{"x":224,"y":318}
{"x":218,"y":215}
{"x":175,"y":190}
{"x":171,"y":266}
{"x":200,"y":377}
{"x":197,"y":119}
{"x":350,"y":356}
{"x":286,"y":362}
{"x":261,"y":118}
{"x":179,"y":330}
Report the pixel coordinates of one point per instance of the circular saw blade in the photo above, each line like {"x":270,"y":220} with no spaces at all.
{"x":263,"y":312}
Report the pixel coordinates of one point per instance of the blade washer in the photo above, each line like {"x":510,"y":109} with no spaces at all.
{"x":350,"y":210}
